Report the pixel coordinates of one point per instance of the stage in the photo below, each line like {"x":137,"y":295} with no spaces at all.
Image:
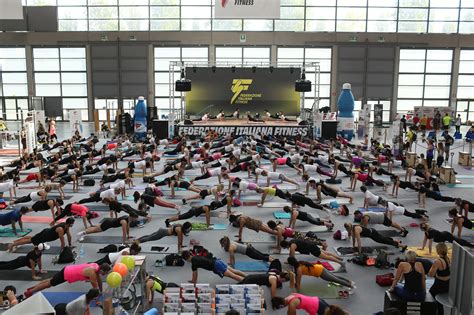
{"x":243,"y":127}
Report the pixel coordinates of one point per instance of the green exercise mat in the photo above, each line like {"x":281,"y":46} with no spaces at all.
{"x":204,"y":227}
{"x":460,"y":185}
{"x":8,"y":232}
{"x":321,"y":290}
{"x":464,"y":176}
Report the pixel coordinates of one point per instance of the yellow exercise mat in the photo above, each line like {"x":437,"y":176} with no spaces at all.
{"x":426,"y":254}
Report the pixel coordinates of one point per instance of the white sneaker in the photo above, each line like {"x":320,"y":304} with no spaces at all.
{"x":81,"y":233}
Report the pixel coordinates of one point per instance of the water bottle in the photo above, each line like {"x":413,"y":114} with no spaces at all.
{"x":81,"y":251}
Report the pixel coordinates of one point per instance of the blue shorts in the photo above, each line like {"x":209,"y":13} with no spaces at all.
{"x":220,"y":267}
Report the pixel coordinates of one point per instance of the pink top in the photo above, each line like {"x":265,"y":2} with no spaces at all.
{"x":308,"y":303}
{"x":382,"y":158}
{"x":216,"y":156}
{"x":281,"y":161}
{"x":79,"y":209}
{"x":73,"y":273}
{"x":362,"y":177}
{"x":252,"y":186}
{"x":288,"y":232}
{"x":303,"y":145}
{"x":111,"y":146}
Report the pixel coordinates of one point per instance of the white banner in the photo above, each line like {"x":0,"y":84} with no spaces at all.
{"x":75,"y":121}
{"x":40,"y":118}
{"x":247,"y":9}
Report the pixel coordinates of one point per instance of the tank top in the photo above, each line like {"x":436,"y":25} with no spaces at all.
{"x":73,"y":273}
{"x":412,"y":280}
{"x":281,"y":161}
{"x":240,"y":248}
{"x":270,"y":191}
{"x":445,"y":272}
{"x":308,"y":303}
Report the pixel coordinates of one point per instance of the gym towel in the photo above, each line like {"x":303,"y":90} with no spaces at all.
{"x":8,"y":232}
{"x":342,"y":201}
{"x":281,"y":215}
{"x":425,"y":253}
{"x":251,"y":266}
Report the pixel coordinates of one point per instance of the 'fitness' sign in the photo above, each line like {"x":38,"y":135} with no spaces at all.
{"x":246,"y":130}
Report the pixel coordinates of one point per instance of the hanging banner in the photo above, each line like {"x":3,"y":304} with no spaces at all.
{"x":39,"y":118}
{"x":247,"y":9}
{"x":75,"y":121}
{"x":364,"y":120}
{"x":378,"y":115}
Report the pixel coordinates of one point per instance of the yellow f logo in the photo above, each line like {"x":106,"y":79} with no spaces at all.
{"x":238,"y":86}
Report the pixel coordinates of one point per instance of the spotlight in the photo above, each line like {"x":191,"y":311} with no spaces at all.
{"x":194,"y":69}
{"x":254,"y":69}
{"x":183,"y":85}
{"x":271,"y":69}
{"x":213,"y":69}
{"x":233,"y":69}
{"x":303,"y":85}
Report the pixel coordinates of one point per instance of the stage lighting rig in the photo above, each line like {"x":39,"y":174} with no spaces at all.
{"x":183,"y":84}
{"x":303,"y":85}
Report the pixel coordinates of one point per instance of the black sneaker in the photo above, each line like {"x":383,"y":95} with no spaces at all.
{"x":405,"y":232}
{"x":167,"y":223}
{"x":184,"y":201}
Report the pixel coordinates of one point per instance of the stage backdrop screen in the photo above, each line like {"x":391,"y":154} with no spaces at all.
{"x":228,"y":89}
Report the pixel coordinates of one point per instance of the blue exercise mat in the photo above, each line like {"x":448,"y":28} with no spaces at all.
{"x":249,"y":266}
{"x":281,"y":215}
{"x":373,"y":209}
{"x":464,"y":176}
{"x":460,"y":185}
{"x":219,"y":226}
{"x":55,"y":298}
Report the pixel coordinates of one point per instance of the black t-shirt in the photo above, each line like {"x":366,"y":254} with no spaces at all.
{"x":149,"y":200}
{"x":33,"y":256}
{"x":202,"y":262}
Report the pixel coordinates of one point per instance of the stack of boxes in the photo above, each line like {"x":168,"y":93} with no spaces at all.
{"x":192,"y":299}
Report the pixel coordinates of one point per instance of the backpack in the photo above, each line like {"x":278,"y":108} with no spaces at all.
{"x":360,"y":260}
{"x":89,"y":182}
{"x":65,"y":257}
{"x":381,"y":261}
{"x":174,"y":260}
{"x":199,"y":250}
{"x":384,"y":280}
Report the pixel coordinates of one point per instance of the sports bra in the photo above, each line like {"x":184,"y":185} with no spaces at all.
{"x":445,"y":272}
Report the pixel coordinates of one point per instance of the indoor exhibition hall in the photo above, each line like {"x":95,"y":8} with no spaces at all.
{"x":234,"y":157}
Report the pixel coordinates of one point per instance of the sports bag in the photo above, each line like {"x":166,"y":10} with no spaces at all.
{"x":174,"y":260}
{"x":384,"y":280}
{"x":89,"y":182}
{"x":67,"y":256}
{"x":381,"y":261}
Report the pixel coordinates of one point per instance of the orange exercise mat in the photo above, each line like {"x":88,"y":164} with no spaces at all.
{"x":38,"y":219}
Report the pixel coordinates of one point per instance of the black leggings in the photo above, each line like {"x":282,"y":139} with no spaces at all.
{"x":193,"y":212}
{"x":381,"y":171}
{"x":412,"y":214}
{"x":343,"y":169}
{"x":376,"y":237}
{"x":309,"y":218}
{"x":448,"y":237}
{"x":203,"y":176}
{"x":92,"y":171}
{"x":370,"y":181}
{"x":289,"y":163}
{"x":302,"y":201}
{"x":94,"y":198}
{"x":280,"y":193}
{"x":338,"y":158}
{"x":131,"y":211}
{"x":128,"y":153}
{"x":255,"y":254}
{"x":23,"y":199}
{"x":16,"y":263}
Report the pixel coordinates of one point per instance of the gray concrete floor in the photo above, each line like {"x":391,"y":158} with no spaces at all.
{"x":368,"y":297}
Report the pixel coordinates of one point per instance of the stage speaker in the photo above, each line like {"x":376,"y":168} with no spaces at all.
{"x":183,"y":86}
{"x":303,"y":123}
{"x":160,"y":128}
{"x":303,"y":86}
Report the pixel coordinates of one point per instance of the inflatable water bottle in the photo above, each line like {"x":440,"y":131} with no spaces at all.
{"x":345,"y":105}
{"x":140,"y":119}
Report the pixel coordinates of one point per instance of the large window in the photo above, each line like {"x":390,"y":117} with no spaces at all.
{"x":424,"y":78}
{"x":243,"y":55}
{"x":465,"y":93}
{"x":413,"y":16}
{"x":299,"y":56}
{"x":13,"y":83}
{"x":163,"y":57}
{"x":62,"y":72}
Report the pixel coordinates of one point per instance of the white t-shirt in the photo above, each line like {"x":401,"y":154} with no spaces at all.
{"x":229,"y":148}
{"x":34,"y":196}
{"x":215,"y":171}
{"x":6,"y":186}
{"x":119,"y":184}
{"x":372,"y":199}
{"x":310,"y":167}
{"x":114,"y":256}
{"x":258,"y":171}
{"x":256,"y":157}
{"x":109,"y":193}
{"x":219,"y":116}
{"x":140,"y":164}
{"x":295,"y":158}
{"x":164,"y":142}
{"x":102,"y":167}
{"x":237,"y":152}
{"x":274,"y":175}
{"x":395,"y":209}
{"x":324,"y":159}
{"x":197,"y":164}
{"x":77,"y":307}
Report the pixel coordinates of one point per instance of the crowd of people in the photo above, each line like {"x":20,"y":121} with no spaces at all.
{"x":233,"y":167}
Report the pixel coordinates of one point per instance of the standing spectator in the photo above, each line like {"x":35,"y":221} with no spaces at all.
{"x":448,"y":142}
{"x":458,"y":123}
{"x":446,"y":121}
{"x":416,"y":121}
{"x":403,"y":120}
{"x":437,"y":121}
{"x":423,"y":123}
{"x":430,"y":154}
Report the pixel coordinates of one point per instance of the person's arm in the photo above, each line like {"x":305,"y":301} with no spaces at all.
{"x":195,"y":277}
{"x":273,"y":283}
{"x":299,"y":275}
{"x":366,"y":204}
{"x":241,"y":227}
{"x":425,"y":239}
{"x":264,"y":195}
{"x":14,"y":227}
{"x":423,"y":275}
{"x":292,"y":250}
{"x":60,"y":232}
{"x":180,"y":239}
{"x":33,"y":271}
{"x":268,"y":181}
{"x":396,"y":279}
{"x":172,"y":189}
{"x":293,"y":218}
{"x":430,"y":245}
{"x":434,"y":268}
{"x":231,"y":257}
{"x":318,"y":193}
{"x":95,"y":281}
{"x":292,"y":308}
{"x":307,"y":188}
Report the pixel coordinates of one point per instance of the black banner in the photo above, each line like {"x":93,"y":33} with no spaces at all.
{"x":247,"y":130}
{"x":250,"y":90}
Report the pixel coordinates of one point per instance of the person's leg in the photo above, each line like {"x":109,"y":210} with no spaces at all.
{"x":313,"y":220}
{"x":237,"y":272}
{"x":203,"y":176}
{"x":41,"y":286}
{"x":330,"y":277}
{"x":462,"y":242}
{"x":255,"y":254}
{"x":402,"y":293}
{"x":328,"y":256}
{"x":160,"y":202}
{"x":21,"y":241}
{"x":23,"y":199}
{"x":12,"y":264}
{"x":152,"y":237}
{"x":412,"y":214}
{"x":289,"y":180}
{"x":376,"y":237}
{"x":94,"y":198}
